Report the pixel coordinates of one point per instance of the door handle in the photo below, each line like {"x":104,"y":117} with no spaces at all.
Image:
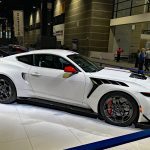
{"x":36,"y":74}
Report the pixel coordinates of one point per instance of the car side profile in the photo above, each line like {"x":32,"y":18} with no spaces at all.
{"x":119,"y":96}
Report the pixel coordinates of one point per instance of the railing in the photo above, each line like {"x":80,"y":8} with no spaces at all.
{"x":112,"y":142}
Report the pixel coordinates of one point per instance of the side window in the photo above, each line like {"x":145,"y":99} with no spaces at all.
{"x":64,"y":62}
{"x":27,"y":59}
{"x":50,"y":61}
{"x":43,"y":60}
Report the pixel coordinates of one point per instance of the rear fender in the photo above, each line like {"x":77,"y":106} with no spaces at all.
{"x":15,"y":76}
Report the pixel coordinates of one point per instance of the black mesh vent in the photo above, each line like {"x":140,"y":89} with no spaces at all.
{"x":114,"y":82}
{"x":138,"y":76}
{"x":104,"y":81}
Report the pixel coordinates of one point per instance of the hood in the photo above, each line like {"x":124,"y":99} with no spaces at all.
{"x":122,"y":75}
{"x":113,"y":74}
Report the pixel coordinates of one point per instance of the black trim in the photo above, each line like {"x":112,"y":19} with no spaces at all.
{"x":95,"y":85}
{"x":72,"y":109}
{"x":145,"y":94}
{"x":59,"y":106}
{"x":143,"y":125}
{"x":138,"y":76}
{"x":96,"y":82}
{"x":146,"y":118}
{"x":23,"y":75}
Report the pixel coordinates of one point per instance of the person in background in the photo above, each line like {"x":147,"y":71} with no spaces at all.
{"x":137,"y":59}
{"x":141,"y":58}
{"x":147,"y":59}
{"x":119,"y":51}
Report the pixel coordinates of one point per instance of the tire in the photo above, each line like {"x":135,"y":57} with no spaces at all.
{"x":7,"y":90}
{"x":118,"y":108}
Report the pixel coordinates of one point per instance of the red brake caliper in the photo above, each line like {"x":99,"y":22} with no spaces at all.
{"x":109,"y":108}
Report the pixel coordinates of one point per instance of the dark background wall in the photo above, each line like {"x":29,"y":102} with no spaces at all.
{"x":88,"y":21}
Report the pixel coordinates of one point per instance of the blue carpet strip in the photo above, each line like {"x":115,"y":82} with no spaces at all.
{"x":104,"y":144}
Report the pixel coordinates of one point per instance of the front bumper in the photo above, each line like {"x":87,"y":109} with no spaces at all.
{"x":143,"y":125}
{"x":144,"y":106}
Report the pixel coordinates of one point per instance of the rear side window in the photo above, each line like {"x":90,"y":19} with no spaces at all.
{"x":27,"y":59}
{"x":51,"y":61}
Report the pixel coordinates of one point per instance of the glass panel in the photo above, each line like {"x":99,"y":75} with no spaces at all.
{"x":27,"y":59}
{"x":131,"y":38}
{"x":138,"y":7}
{"x":138,"y":10}
{"x":124,"y":5}
{"x":43,"y":60}
{"x":123,"y":13}
{"x":138,"y":2}
{"x":50,"y":61}
{"x":84,"y":63}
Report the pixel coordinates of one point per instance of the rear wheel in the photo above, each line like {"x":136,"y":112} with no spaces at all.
{"x":118,"y":108}
{"x":7,"y":90}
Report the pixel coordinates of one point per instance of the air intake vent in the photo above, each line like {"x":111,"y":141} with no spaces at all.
{"x":97,"y":82}
{"x":104,"y":81}
{"x":138,"y":76}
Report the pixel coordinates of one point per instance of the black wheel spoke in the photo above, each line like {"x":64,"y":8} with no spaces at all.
{"x":5,"y":90}
{"x":120,"y":110}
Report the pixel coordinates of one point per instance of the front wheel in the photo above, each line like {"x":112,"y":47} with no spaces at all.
{"x":118,"y":108}
{"x":7,"y":90}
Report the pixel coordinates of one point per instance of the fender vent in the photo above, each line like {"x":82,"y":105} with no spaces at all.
{"x":23,"y":75}
{"x":104,"y":81}
{"x":97,"y":82}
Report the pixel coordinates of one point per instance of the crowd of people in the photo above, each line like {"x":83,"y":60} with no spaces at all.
{"x":143,"y":59}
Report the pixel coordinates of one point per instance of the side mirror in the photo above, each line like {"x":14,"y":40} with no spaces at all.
{"x":70,"y":69}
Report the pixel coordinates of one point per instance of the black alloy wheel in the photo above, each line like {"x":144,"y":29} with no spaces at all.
{"x":7,"y":90}
{"x":118,"y":108}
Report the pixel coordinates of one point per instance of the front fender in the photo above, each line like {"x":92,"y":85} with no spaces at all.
{"x":103,"y":89}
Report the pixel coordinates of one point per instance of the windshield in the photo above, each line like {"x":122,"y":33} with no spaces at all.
{"x":84,"y":63}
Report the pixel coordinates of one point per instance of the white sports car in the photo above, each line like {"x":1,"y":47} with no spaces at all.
{"x":119,"y":96}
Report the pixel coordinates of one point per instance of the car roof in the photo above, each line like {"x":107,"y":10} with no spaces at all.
{"x":59,"y":52}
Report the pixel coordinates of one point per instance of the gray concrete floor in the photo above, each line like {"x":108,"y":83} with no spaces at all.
{"x":27,"y":127}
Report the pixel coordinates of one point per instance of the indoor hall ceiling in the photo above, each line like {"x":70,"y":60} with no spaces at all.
{"x":6,"y":6}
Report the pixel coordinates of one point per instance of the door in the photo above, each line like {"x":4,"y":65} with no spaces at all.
{"x":47,"y":80}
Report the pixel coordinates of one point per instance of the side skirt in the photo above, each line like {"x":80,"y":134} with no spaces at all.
{"x":59,"y":106}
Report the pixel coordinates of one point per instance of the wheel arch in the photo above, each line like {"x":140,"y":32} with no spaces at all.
{"x":137,"y":104}
{"x":4,"y":75}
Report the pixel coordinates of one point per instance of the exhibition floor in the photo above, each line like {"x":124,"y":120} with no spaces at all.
{"x":27,"y":127}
